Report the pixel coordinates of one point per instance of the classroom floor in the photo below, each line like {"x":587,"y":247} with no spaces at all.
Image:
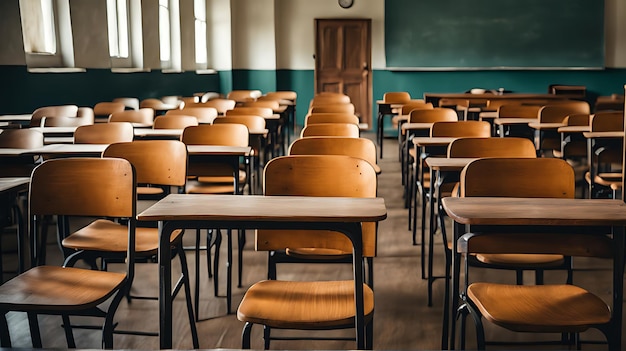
{"x":403,"y":321}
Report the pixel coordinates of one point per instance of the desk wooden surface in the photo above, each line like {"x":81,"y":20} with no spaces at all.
{"x":433,"y":141}
{"x":510,"y":121}
{"x":69,"y":149}
{"x":574,"y":129}
{"x":535,"y":211}
{"x":218,"y":150}
{"x":448,"y":164}
{"x":16,"y":118}
{"x":11,"y":183}
{"x":592,"y":135}
{"x":189,"y":207}
{"x":546,"y":126}
{"x":415,"y":126}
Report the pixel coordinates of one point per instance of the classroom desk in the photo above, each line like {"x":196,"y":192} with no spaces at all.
{"x":180,"y":211}
{"x":23,"y":119}
{"x":407,"y":131}
{"x":10,"y":187}
{"x":540,"y":130}
{"x":68,"y":150}
{"x":384,"y":109}
{"x":421,"y":146}
{"x":539,"y":215}
{"x":435,"y":97}
{"x":439,"y":167}
{"x":508,"y":122}
{"x":596,"y":140}
{"x":569,"y":133}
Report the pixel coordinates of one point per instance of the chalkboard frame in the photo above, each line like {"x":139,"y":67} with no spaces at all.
{"x":434,"y":35}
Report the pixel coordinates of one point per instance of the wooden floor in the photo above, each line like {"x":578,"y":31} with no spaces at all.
{"x":402,"y":318}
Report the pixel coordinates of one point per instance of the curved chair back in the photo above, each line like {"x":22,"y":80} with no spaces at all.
{"x":106,"y":108}
{"x":52,"y":111}
{"x":415,"y":105}
{"x":438,"y":114}
{"x":517,"y":110}
{"x":344,"y":108}
{"x":396,"y":97}
{"x":607,"y":121}
{"x":282,"y":95}
{"x":130,"y":103}
{"x":331,"y":129}
{"x":492,"y":147}
{"x":174,"y":122}
{"x":461,"y":129}
{"x":264,"y":112}
{"x":317,"y":118}
{"x":355,"y":147}
{"x":329,"y":98}
{"x":272,"y":104}
{"x":221,"y":105}
{"x":144,"y":116}
{"x":104,"y":133}
{"x":216,"y":134}
{"x":557,"y":113}
{"x":244,"y":95}
{"x":204,"y":115}
{"x":253,"y":122}
{"x":20,"y":166}
{"x":518,"y":177}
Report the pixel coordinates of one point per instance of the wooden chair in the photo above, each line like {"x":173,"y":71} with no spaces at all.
{"x":549,"y":139}
{"x":573,"y":146}
{"x":241,"y":95}
{"x":52,"y":111}
{"x":83,"y":187}
{"x":158,"y":104}
{"x":206,"y":96}
{"x":174,"y":121}
{"x":517,"y":110}
{"x":317,"y":118}
{"x":355,"y":147}
{"x":264,"y":112}
{"x":103,"y":110}
{"x":65,"y":121}
{"x":273,"y":104}
{"x":607,"y":162}
{"x":316,"y":305}
{"x":325,"y":108}
{"x":143,"y":117}
{"x":221,"y":105}
{"x":613,"y":102}
{"x":159,"y":166}
{"x":204,"y":115}
{"x":330,"y":129}
{"x":565,"y":308}
{"x":104,"y":133}
{"x":329,"y":99}
{"x":212,"y":176}
{"x":130,"y":103}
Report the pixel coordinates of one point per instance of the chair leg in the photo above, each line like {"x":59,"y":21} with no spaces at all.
{"x":5,"y":337}
{"x":35,"y":334}
{"x":216,"y":259}
{"x":69,"y":334}
{"x":185,"y":272}
{"x":241,"y":242}
{"x":369,"y":335}
{"x":108,"y":326}
{"x":196,"y":292}
{"x":245,"y":336}
{"x":267,"y":331}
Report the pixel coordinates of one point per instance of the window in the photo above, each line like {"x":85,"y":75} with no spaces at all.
{"x":199,"y":11}
{"x":164,"y":31}
{"x":38,"y":26}
{"x":117,"y":18}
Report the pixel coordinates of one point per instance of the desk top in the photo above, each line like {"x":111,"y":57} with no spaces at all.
{"x":415,"y":126}
{"x":448,"y":164}
{"x":55,"y":130}
{"x":590,"y":135}
{"x":218,"y":150}
{"x":189,"y":207}
{"x":8,"y":184}
{"x":433,"y":141}
{"x":16,"y":118}
{"x":546,"y":126}
{"x":513,"y":120}
{"x":535,"y":211}
{"x":574,"y":129}
{"x":69,"y":149}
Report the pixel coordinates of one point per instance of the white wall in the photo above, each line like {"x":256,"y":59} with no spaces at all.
{"x":295,"y":29}
{"x":615,"y":29}
{"x":253,"y":34}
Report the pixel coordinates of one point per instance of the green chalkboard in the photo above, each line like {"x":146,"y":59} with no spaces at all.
{"x":466,"y":34}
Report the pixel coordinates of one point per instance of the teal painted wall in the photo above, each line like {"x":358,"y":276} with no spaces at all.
{"x":22,"y":92}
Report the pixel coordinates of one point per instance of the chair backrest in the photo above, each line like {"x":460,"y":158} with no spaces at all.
{"x":52,"y":111}
{"x":316,"y":118}
{"x":396,"y":97}
{"x":355,"y":147}
{"x":331,"y":129}
{"x":330,"y":99}
{"x":106,"y":108}
{"x":130,"y":103}
{"x":517,"y":110}
{"x":264,"y":112}
{"x":156,"y":104}
{"x":415,"y":105}
{"x":607,"y":121}
{"x":427,"y":115}
{"x":461,"y":129}
{"x":206,"y":96}
{"x":283,"y":95}
{"x":104,"y":133}
{"x":518,"y":177}
{"x":345,"y":108}
{"x":557,"y":113}
{"x":144,"y":115}
{"x":318,"y":175}
{"x":174,"y":121}
{"x":65,"y":121}
{"x":21,"y":139}
{"x":492,"y":147}
{"x":221,"y":105}
{"x":251,"y":121}
{"x":578,"y":119}
{"x":271,"y":104}
{"x":453,"y":103}
{"x":244,"y":95}
{"x":86,"y":187}
{"x":156,"y":162}
{"x":231,"y":134}
{"x":203,"y":114}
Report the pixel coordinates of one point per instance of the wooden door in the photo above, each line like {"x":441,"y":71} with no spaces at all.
{"x":343,"y":61}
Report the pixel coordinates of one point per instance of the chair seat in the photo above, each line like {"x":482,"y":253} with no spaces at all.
{"x":53,"y":288}
{"x":525,"y":308}
{"x":208,"y":188}
{"x":91,"y":238}
{"x":605,"y":179}
{"x":288,"y":304}
{"x":521,"y":259}
{"x":145,"y":190}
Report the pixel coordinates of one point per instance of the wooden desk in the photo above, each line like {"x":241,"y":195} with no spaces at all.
{"x":544,"y":215}
{"x":408,"y":131}
{"x":384,"y":109}
{"x":435,"y":97}
{"x":596,"y":140}
{"x":23,"y":119}
{"x":440,"y":167}
{"x":541,"y":129}
{"x":9,"y":191}
{"x":69,"y":150}
{"x":180,"y":211}
{"x":508,"y":122}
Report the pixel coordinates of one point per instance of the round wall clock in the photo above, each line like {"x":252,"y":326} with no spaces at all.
{"x":346,"y":4}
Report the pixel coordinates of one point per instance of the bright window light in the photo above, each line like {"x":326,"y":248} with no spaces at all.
{"x":199,"y":10}
{"x":117,"y":18}
{"x":38,"y":26}
{"x":164,"y":31}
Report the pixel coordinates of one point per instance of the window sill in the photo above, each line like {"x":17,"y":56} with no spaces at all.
{"x":206,"y":71}
{"x":129,"y":70}
{"x":56,"y":70}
